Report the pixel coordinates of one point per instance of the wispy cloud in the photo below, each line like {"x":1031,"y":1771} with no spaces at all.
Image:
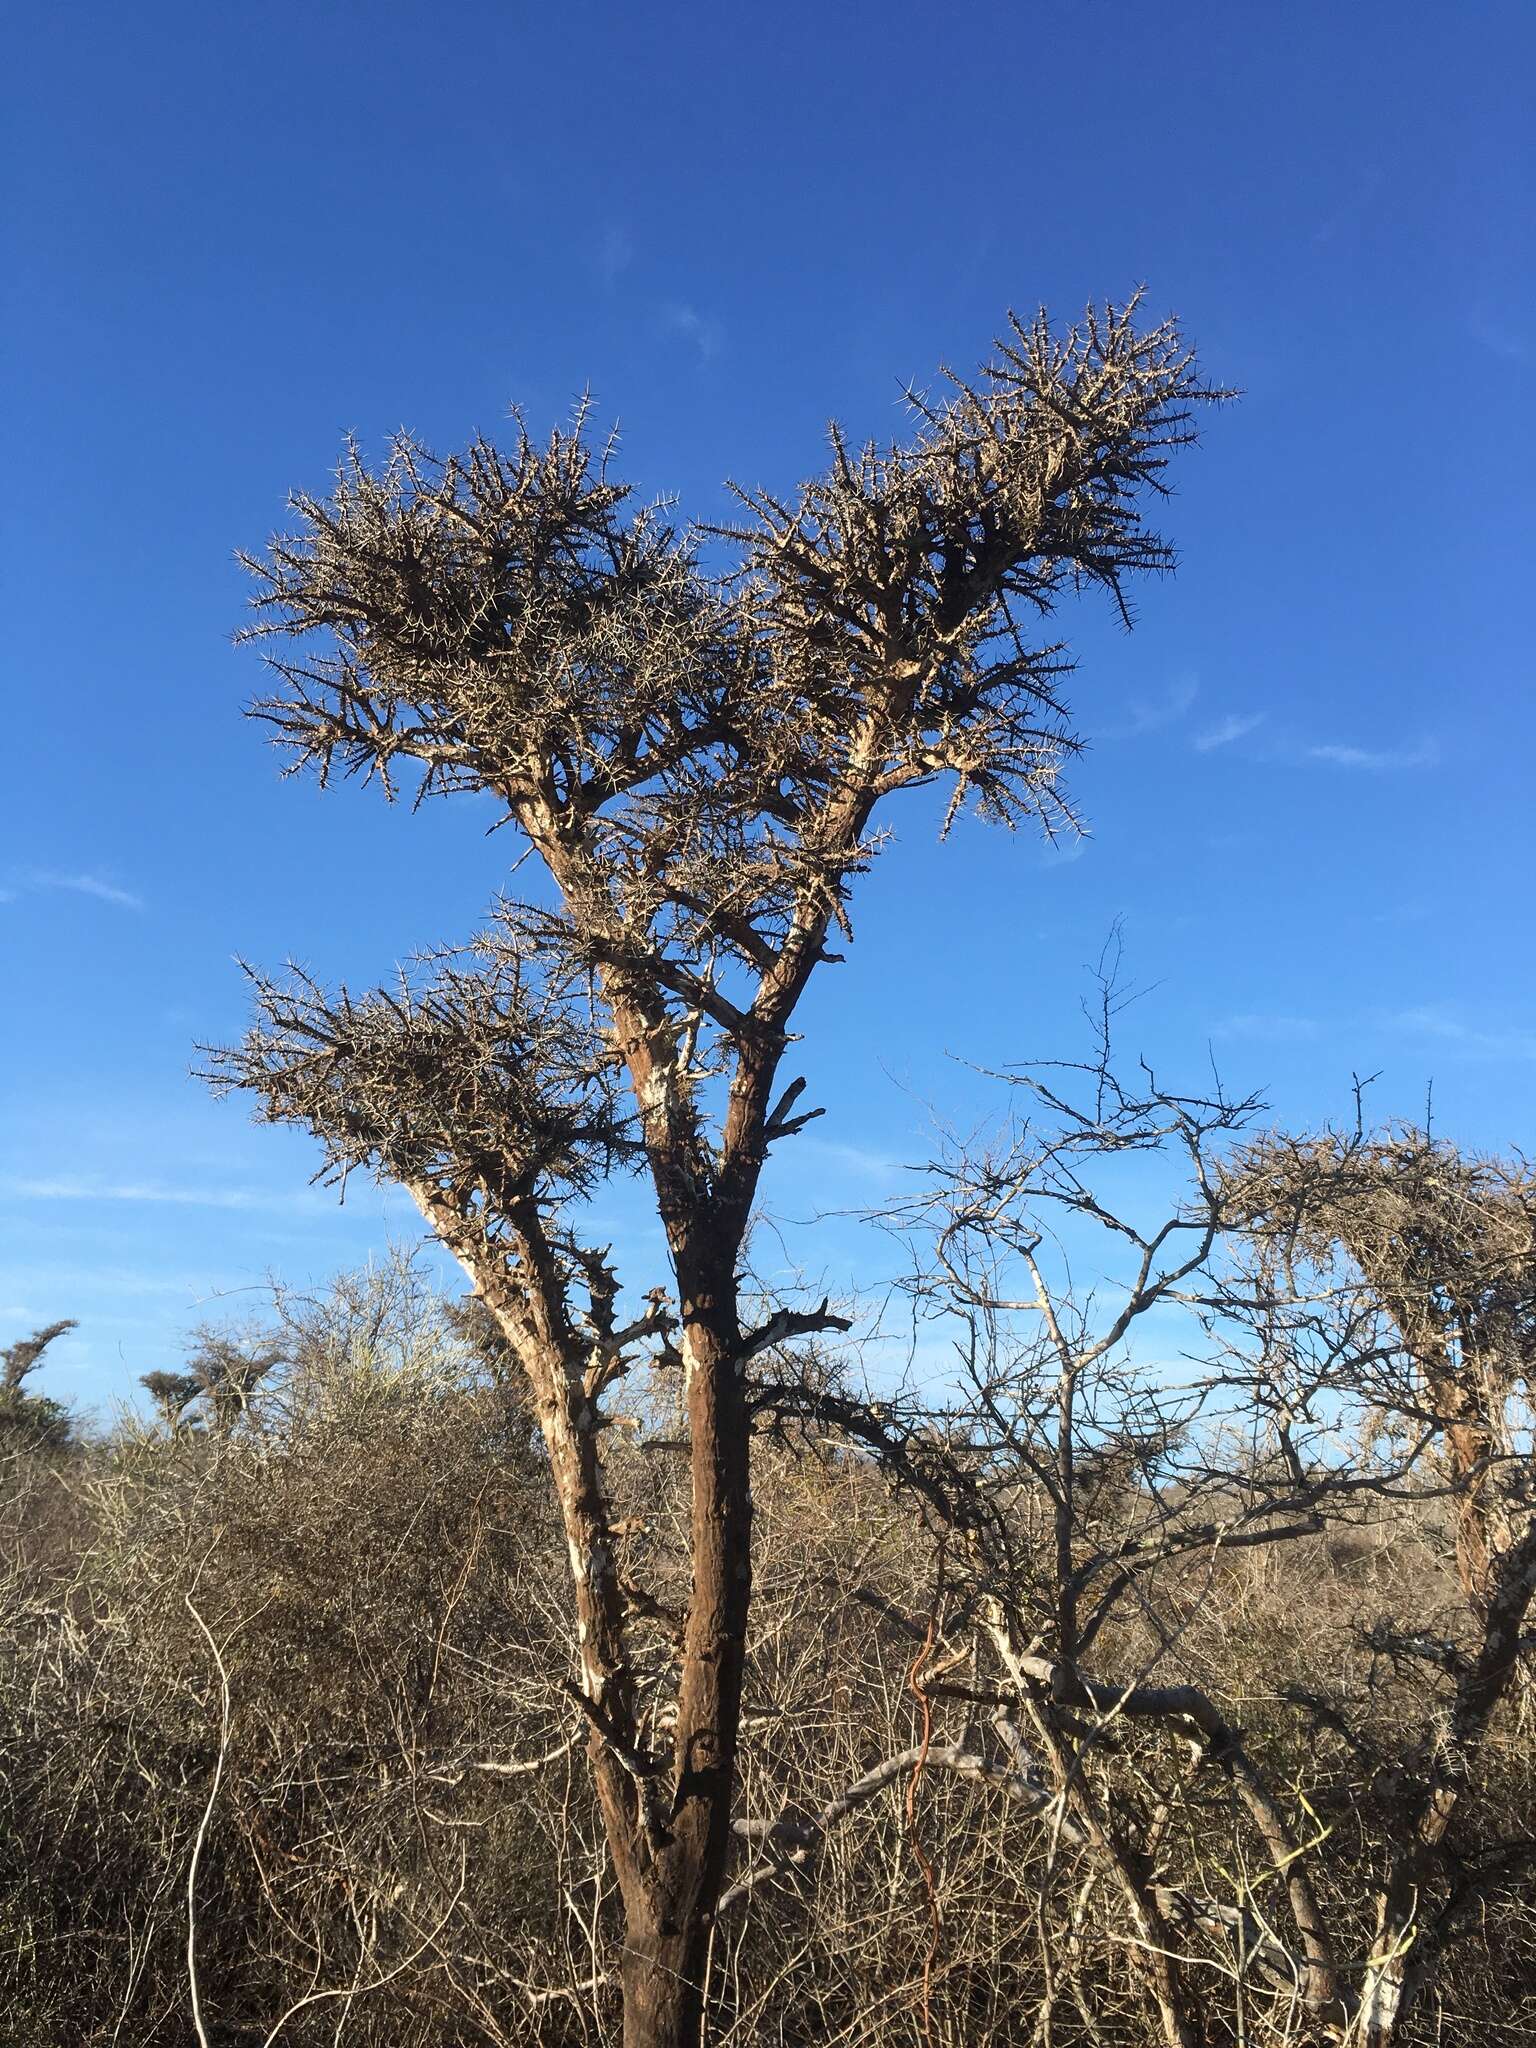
{"x":858,"y":1160}
{"x":1462,"y":1039}
{"x":1268,"y":1028}
{"x":1292,"y":750}
{"x":1226,"y":731}
{"x":82,"y":1283}
{"x":1150,"y":714}
{"x":94,"y":885}
{"x":1471,"y":1041}
{"x":86,"y":1188}
{"x":1377,"y":760}
{"x":1499,"y":337}
{"x":615,"y":253}
{"x":1352,"y":207}
{"x":1065,"y":848}
{"x":687,"y":321}
{"x":84,"y":884}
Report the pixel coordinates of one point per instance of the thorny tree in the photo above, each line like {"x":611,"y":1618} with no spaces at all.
{"x":698,"y":763}
{"x":1434,"y":1254}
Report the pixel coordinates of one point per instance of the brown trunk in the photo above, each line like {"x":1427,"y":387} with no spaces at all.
{"x":669,"y":1900}
{"x":670,"y":1894}
{"x":670,"y":1835}
{"x":663,"y":1982}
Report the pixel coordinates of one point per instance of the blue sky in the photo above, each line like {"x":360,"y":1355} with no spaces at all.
{"x":232,"y":235}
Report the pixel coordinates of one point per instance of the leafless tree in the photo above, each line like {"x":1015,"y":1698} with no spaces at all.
{"x":699,"y":765}
{"x":1088,"y":1497}
{"x":1363,"y":1327}
{"x":224,"y":1369}
{"x":1441,"y":1247}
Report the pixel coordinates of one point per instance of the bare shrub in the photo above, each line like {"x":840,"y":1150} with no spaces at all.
{"x":1098,"y":1689}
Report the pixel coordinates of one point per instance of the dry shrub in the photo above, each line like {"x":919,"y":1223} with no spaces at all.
{"x":402,"y":1831}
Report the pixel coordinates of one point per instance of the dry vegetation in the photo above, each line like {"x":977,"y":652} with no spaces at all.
{"x":612,"y":1653}
{"x":294,"y":1724}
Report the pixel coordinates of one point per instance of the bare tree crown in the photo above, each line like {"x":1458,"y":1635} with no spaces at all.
{"x":697,"y":758}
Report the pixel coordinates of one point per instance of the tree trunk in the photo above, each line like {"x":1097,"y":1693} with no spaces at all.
{"x":671,"y":1884}
{"x":1391,"y":1977}
{"x":663,"y":1979}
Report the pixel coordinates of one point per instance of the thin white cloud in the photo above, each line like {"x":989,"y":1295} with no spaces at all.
{"x":1268,"y":1028}
{"x":72,"y":1188}
{"x":854,"y":1159}
{"x":1499,"y":337}
{"x":1377,"y":760}
{"x":305,"y":1202}
{"x":1151,"y":714}
{"x":1226,"y":731}
{"x":615,"y":254}
{"x":1472,"y":1041}
{"x":88,"y":1283}
{"x":1462,"y":1039}
{"x":95,"y":885}
{"x":705,"y":333}
{"x":1063,"y":850}
{"x":84,"y":884}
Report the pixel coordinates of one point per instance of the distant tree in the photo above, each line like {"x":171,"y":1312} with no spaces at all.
{"x":172,"y":1393}
{"x":700,"y":765}
{"x":483,"y":1335}
{"x":27,"y":1420}
{"x":226,"y":1367}
{"x":26,"y":1355}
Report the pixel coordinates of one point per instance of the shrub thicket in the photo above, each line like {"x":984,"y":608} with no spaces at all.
{"x":303,"y":1688}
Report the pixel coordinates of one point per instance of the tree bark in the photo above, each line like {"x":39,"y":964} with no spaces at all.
{"x":663,"y":1978}
{"x":670,"y":1893}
